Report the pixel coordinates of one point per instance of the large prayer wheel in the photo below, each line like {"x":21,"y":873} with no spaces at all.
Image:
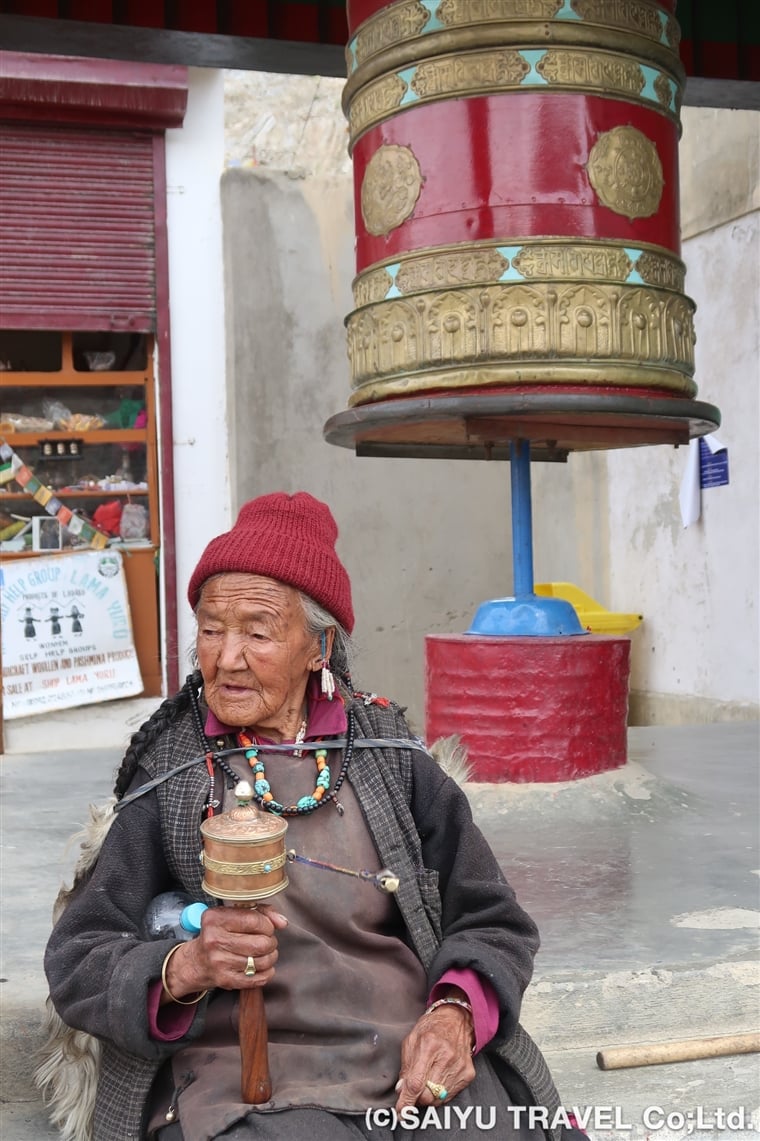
{"x":517,"y":228}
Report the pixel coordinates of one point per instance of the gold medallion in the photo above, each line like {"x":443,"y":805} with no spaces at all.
{"x":390,"y":189}
{"x":626,"y":173}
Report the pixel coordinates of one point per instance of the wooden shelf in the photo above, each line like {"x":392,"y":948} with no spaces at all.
{"x":63,"y":494}
{"x":95,"y":437}
{"x":84,"y":388}
{"x":70,"y":379}
{"x":125,"y":548}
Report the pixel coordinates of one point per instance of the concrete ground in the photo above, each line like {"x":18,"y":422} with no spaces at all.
{"x":645,"y":883}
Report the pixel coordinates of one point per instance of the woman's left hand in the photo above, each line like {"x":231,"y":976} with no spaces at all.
{"x":438,"y":1049}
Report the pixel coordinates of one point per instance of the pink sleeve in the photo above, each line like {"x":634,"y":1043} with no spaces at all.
{"x":167,"y":1023}
{"x":480,"y":995}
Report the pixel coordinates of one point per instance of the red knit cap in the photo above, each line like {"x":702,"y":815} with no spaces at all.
{"x":290,"y":538}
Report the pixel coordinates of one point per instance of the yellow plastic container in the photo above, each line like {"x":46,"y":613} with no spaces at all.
{"x":590,"y":613}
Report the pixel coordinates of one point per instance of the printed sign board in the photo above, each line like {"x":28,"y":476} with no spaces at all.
{"x":66,"y":633}
{"x":713,"y":465}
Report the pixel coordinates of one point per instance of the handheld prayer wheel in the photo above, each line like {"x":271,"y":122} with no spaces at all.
{"x":517,"y":229}
{"x":244,"y":862}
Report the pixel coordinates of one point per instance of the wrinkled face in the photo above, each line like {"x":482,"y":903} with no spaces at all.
{"x":254,"y":653}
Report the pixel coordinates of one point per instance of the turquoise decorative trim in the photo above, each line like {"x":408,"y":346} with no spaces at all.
{"x":433,"y":24}
{"x":663,"y":34}
{"x":351,"y":53}
{"x":410,"y":96}
{"x":510,"y":273}
{"x":393,"y":290}
{"x":650,"y":74}
{"x":650,"y":91}
{"x":634,"y":277}
{"x":566,"y":12}
{"x":533,"y":79}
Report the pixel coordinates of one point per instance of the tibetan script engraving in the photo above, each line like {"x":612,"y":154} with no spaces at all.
{"x":573,"y":261}
{"x":662,"y":89}
{"x":598,"y":70}
{"x":630,"y":15}
{"x":371,"y":287}
{"x":375,"y":102}
{"x":391,"y":25}
{"x":488,"y":69}
{"x":656,"y":269}
{"x":454,"y":13}
{"x":466,"y":267}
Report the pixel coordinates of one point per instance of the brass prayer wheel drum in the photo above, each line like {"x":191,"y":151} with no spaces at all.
{"x":244,"y":855}
{"x":517,"y":224}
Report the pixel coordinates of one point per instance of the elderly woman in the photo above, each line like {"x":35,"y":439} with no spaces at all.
{"x":376,"y":1004}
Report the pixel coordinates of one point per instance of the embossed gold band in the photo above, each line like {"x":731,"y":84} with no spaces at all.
{"x":608,"y":374}
{"x":520,"y":259}
{"x":248,"y":896}
{"x":402,"y":33}
{"x":507,"y":69}
{"x":535,"y":332}
{"x":252,"y":868}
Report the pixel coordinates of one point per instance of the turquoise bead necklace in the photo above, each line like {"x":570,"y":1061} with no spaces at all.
{"x":322,"y":794}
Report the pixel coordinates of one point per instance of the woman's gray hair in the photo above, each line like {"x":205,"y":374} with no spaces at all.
{"x":319,"y":619}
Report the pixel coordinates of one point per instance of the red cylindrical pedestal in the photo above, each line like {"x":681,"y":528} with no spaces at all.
{"x":530,"y":709}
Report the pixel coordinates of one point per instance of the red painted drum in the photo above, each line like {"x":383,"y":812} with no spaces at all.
{"x":530,"y":709}
{"x":517,"y":226}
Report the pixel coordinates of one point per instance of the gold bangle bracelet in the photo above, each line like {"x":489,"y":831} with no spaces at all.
{"x":181,"y":1001}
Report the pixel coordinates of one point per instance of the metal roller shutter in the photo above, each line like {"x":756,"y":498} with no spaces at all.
{"x":77,"y":229}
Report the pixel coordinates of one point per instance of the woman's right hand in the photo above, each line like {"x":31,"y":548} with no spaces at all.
{"x":218,"y":956}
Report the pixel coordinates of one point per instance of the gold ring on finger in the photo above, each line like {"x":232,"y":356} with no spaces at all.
{"x":437,"y":1090}
{"x":250,"y":967}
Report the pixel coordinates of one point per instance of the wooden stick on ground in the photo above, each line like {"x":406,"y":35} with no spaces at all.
{"x":683,"y":1050}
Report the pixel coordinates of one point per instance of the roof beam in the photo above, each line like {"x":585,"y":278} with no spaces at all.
{"x":158,"y":45}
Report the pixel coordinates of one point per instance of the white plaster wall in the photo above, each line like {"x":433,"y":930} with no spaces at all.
{"x":698,"y":586}
{"x":697,"y":656}
{"x":194,"y":165}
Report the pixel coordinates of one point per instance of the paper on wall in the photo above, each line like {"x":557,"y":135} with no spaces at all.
{"x":690,"y":494}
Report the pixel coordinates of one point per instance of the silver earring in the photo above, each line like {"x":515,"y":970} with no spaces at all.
{"x":327,"y":680}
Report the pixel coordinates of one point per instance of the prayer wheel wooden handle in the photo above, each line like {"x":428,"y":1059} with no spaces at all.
{"x":244,"y":862}
{"x":256,"y":1083}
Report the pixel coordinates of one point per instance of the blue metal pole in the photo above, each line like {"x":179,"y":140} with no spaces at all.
{"x":522,"y":518}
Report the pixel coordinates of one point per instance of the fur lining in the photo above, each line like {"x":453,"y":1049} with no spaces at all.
{"x":69,"y":1060}
{"x":451,"y":755}
{"x":91,"y":839}
{"x":68,"y":1077}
